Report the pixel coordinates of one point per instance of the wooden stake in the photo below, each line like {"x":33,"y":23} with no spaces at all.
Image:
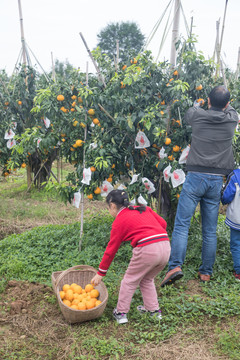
{"x":22,"y":33}
{"x":238,"y":64}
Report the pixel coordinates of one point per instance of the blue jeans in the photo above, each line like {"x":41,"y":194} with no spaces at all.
{"x":235,"y":249}
{"x":206,"y":189}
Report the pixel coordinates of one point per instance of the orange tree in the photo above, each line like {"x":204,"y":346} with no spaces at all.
{"x":97,"y":125}
{"x":17,"y":101}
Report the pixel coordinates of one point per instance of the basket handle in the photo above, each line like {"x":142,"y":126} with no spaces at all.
{"x":77,"y":267}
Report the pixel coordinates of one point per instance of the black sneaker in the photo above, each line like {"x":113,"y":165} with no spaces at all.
{"x":121,"y":318}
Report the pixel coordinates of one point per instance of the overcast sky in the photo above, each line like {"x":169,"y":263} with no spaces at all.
{"x":53,"y":26}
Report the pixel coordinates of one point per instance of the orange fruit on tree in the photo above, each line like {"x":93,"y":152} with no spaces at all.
{"x":67,"y":302}
{"x":109,"y":179}
{"x":163,"y":102}
{"x":82,"y":125}
{"x":80,"y":99}
{"x":176,"y":148}
{"x":74,"y":104}
{"x":199,"y":87}
{"x":6,"y":103}
{"x":175,"y":73}
{"x":72,"y":109}
{"x":96,"y":121}
{"x":63,"y":140}
{"x":113,"y":166}
{"x":92,"y":168}
{"x":79,"y":142}
{"x":89,"y":287}
{"x":23,"y":165}
{"x":19,"y":102}
{"x":73,"y":97}
{"x":168,"y":141}
{"x":91,"y":111}
{"x":97,"y":191}
{"x":90,"y":196}
{"x":124,"y":67}
{"x":75,"y":123}
{"x":82,"y":306}
{"x":94,"y":293}
{"x":66,"y":287}
{"x":170,"y":157}
{"x":60,"y":97}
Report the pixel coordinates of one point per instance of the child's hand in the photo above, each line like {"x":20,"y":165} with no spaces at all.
{"x":96,"y":279}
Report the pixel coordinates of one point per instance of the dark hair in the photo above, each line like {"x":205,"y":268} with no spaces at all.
{"x":120,"y":198}
{"x":219,"y":96}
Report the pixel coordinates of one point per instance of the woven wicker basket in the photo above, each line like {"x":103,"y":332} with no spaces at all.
{"x":81,"y":275}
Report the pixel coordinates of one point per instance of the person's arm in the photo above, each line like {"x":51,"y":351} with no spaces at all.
{"x":232,"y":113}
{"x":229,"y":190}
{"x":109,"y":254}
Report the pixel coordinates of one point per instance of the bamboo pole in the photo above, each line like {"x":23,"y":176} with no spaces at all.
{"x":53,"y":68}
{"x":238,"y":64}
{"x":94,"y":62}
{"x":82,"y":194}
{"x":217,"y":49}
{"x":223,"y":74}
{"x":175,"y":31}
{"x":22,"y":33}
{"x":220,"y":42}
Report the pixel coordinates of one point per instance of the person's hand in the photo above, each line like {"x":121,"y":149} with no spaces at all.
{"x":197,"y":104}
{"x":96,"y":279}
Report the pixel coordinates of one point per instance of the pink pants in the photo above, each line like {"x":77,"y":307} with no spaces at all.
{"x":146,"y":262}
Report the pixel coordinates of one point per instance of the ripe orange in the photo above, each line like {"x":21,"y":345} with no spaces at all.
{"x":168,"y":141}
{"x":19,"y":102}
{"x":109,"y":179}
{"x":77,"y":289}
{"x":63,"y":140}
{"x":60,"y":97}
{"x":79,"y":142}
{"x":69,"y":295}
{"x":80,"y":99}
{"x":66,"y":287}
{"x":62,"y":294}
{"x":92,"y":168}
{"x":98,"y":302}
{"x":23,"y":165}
{"x":6,"y":103}
{"x":67,"y":302}
{"x":199,"y":87}
{"x":122,"y":85}
{"x":170,"y":157}
{"x":176,"y":148}
{"x":74,"y":104}
{"x":124,"y":67}
{"x":91,"y":111}
{"x":75,"y":301}
{"x":90,"y":304}
{"x":96,"y":121}
{"x":94,"y":293}
{"x":201,"y":100}
{"x":175,"y":73}
{"x":113,"y":166}
{"x":82,"y":306}
{"x":97,"y":191}
{"x":72,"y":109}
{"x":163,"y":102}
{"x":90,"y":196}
{"x":89,"y":287}
{"x":82,"y":125}
{"x":73,"y":97}
{"x":74,"y":306}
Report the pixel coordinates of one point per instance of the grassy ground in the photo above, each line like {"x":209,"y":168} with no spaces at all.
{"x":201,"y":321}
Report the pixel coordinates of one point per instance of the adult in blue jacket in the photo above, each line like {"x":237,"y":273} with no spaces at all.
{"x":231,"y":196}
{"x":209,"y":160}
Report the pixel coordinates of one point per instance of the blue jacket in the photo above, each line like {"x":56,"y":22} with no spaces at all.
{"x":231,"y":196}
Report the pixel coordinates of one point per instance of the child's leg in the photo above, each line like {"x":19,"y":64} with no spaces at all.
{"x":147,"y":285}
{"x":150,"y":259}
{"x":235,"y":249}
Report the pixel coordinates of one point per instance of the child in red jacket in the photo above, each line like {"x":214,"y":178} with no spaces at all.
{"x":151,"y":250}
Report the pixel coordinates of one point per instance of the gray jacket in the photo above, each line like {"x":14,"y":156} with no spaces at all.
{"x":211,"y":145}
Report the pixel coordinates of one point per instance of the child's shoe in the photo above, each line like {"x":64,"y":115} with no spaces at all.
{"x":157,"y":313}
{"x":121,"y":318}
{"x":237,"y":276}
